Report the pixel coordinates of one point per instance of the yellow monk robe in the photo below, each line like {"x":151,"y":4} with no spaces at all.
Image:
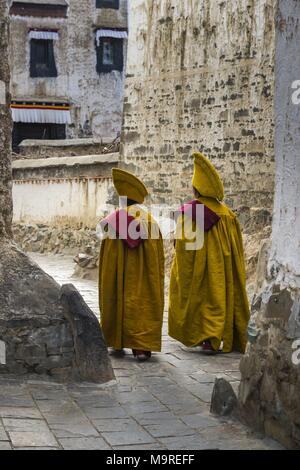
{"x":208,"y":299}
{"x":131,"y":288}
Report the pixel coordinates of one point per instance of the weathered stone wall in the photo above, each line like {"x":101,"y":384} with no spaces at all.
{"x":5,"y":125}
{"x":270,"y":386}
{"x":200,"y":76}
{"x":66,"y":148}
{"x":96,"y":100}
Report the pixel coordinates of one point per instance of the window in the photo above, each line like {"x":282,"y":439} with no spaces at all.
{"x":115,"y":4}
{"x":110,"y":55}
{"x":39,"y":9}
{"x":23,"y":131}
{"x":42,"y":61}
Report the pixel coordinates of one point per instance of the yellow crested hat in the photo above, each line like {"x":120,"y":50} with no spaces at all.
{"x":206,"y":178}
{"x":128,"y":185}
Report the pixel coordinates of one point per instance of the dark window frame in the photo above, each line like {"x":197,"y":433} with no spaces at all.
{"x":38,"y":10}
{"x":118,"y":53}
{"x":113,"y":4}
{"x":50,"y":70}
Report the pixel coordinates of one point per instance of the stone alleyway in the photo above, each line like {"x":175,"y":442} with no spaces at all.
{"x":161,"y":404}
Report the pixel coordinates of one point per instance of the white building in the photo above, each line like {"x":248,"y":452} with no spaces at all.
{"x":67,"y":68}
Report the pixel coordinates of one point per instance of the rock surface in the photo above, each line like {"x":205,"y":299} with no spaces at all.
{"x":35,"y":326}
{"x":5,"y":127}
{"x":90,"y":348}
{"x":224,"y":401}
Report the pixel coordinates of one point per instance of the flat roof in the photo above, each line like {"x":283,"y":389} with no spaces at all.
{"x":29,"y":163}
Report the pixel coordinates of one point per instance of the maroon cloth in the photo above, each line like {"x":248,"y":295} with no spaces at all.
{"x":210,"y":217}
{"x":119,"y":221}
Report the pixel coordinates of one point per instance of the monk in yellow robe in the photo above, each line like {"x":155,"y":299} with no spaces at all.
{"x":131,"y":273}
{"x":208,"y":303}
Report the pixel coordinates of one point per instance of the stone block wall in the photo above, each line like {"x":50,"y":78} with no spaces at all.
{"x":270,"y":384}
{"x":200,"y":75}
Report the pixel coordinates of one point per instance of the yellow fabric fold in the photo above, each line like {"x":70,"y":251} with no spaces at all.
{"x":206,"y":179}
{"x":208,"y":299}
{"x":131,"y":290}
{"x":129,"y":185}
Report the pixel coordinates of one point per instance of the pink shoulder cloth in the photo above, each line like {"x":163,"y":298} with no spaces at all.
{"x":210,"y":217}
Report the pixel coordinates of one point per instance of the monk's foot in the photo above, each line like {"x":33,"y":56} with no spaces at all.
{"x":207,"y":348}
{"x":141,"y":355}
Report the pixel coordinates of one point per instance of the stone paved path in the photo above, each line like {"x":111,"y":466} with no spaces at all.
{"x":161,"y":404}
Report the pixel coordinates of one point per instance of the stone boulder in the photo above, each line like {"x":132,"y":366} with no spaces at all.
{"x":36,"y":333}
{"x":224,"y":401}
{"x":89,"y":344}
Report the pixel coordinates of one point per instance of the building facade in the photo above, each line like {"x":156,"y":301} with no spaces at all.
{"x":200,"y":76}
{"x":68,"y":66}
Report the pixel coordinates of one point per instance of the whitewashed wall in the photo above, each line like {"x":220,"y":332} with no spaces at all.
{"x":286,"y":228}
{"x":66,"y":201}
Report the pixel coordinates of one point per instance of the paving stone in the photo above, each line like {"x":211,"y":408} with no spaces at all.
{"x":62,"y":413}
{"x":170,"y":396}
{"x":183,"y":379}
{"x":106,"y":413}
{"x":204,"y":377}
{"x":124,"y":388}
{"x":200,"y":421}
{"x":134,"y":434}
{"x":5,"y":445}
{"x":32,"y":439}
{"x":145,"y":407}
{"x":184,"y":365}
{"x":234,"y":375}
{"x":96,"y":401}
{"x":73,"y":430}
{"x":84,"y":443}
{"x":228,"y":434}
{"x":193,"y":442}
{"x":136,"y":396}
{"x":145,"y":419}
{"x":16,"y":400}
{"x":113,"y":425}
{"x":156,"y":382}
{"x":202,"y":391}
{"x":29,"y":433}
{"x":218,"y":367}
{"x":169,"y":428}
{"x":123,"y":372}
{"x":184,"y":408}
{"x":23,"y":425}
{"x":42,"y":392}
{"x":135,"y":447}
{"x":38,"y":448}
{"x":15,"y":412}
{"x":3,"y":435}
{"x":184,"y":355}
